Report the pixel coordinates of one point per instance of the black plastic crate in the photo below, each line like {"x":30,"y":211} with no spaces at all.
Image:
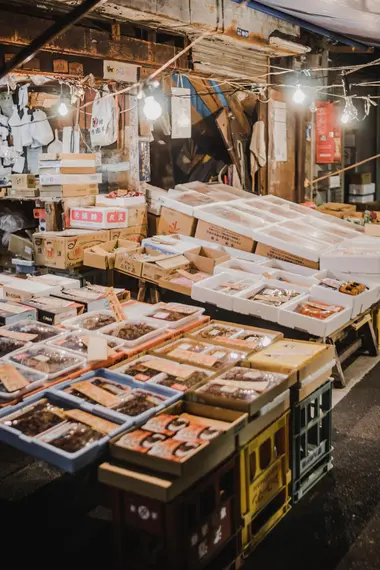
{"x":311,"y":439}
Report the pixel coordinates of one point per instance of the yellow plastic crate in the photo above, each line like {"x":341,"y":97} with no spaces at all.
{"x":264,"y":467}
{"x":264,"y":522}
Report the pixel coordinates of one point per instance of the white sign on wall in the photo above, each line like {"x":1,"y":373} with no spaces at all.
{"x":120,"y":71}
{"x":181,"y":113}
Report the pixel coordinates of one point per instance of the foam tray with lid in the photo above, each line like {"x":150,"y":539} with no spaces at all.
{"x":39,"y":443}
{"x":173,"y":315}
{"x":92,"y":321}
{"x":115,"y":379}
{"x":36,"y":380}
{"x":151,"y":368}
{"x":221,"y":289}
{"x":49,"y":360}
{"x":135,"y":332}
{"x":241,"y":267}
{"x":76,"y":341}
{"x":226,"y":216}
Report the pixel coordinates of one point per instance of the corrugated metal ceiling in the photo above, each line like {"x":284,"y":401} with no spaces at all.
{"x":356,"y":18}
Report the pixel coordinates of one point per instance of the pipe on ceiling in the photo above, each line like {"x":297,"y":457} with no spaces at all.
{"x":302,"y":23}
{"x":62,"y":24}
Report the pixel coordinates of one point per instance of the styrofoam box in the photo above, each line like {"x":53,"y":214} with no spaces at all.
{"x":283,"y":212}
{"x":169,"y":394}
{"x":361,"y":199}
{"x":322,"y":328}
{"x":172,"y":324}
{"x":240,"y":267}
{"x":358,"y":303}
{"x":158,"y":329}
{"x":122,"y":202}
{"x":27,"y":288}
{"x":288,"y":279}
{"x":354,"y":259}
{"x":361,"y":189}
{"x":339,"y":230}
{"x":99,"y":217}
{"x":273,"y":265}
{"x":220,"y":214}
{"x":177,"y":203}
{"x":242,"y":304}
{"x":305,"y":228}
{"x":167,"y":244}
{"x":62,"y":282}
{"x":37,"y":447}
{"x":285,"y":240}
{"x":247,"y":206}
{"x":205,"y":292}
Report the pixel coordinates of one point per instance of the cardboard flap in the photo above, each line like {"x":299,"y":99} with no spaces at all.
{"x":172,"y":262}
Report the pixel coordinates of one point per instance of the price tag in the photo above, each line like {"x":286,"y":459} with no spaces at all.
{"x":97,"y":394}
{"x":99,"y":424}
{"x":27,"y":337}
{"x":97,"y":348}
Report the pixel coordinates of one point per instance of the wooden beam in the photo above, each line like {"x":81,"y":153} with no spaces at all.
{"x":86,"y":42}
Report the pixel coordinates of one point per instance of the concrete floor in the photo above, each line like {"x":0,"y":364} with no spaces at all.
{"x":335,"y":527}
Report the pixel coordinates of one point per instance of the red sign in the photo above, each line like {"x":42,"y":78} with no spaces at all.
{"x":328,"y":133}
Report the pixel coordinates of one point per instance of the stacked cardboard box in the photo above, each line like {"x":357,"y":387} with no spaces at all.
{"x":23,"y":185}
{"x":68,"y":175}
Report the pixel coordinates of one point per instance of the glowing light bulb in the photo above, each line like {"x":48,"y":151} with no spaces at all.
{"x":62,"y":109}
{"x":298,"y":95}
{"x":345,"y":118}
{"x":152,"y":109}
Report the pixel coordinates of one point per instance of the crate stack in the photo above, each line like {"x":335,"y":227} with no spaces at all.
{"x":68,"y":175}
{"x":311,"y":431}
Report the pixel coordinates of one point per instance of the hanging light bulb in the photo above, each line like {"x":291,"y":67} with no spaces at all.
{"x":350,"y":112}
{"x":62,"y":109}
{"x":298,"y":95}
{"x":152,"y":109}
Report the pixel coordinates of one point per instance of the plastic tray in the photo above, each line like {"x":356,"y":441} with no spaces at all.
{"x":27,"y":327}
{"x":174,"y":324}
{"x":21,"y":344}
{"x":78,"y":362}
{"x":70,"y":462}
{"x":112,"y":330}
{"x":36,"y":379}
{"x":171,"y":395}
{"x":79,"y":322}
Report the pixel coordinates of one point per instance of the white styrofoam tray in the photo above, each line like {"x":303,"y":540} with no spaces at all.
{"x":239,"y":267}
{"x":205,"y":292}
{"x":242,"y":304}
{"x":290,"y":242}
{"x":322,"y":328}
{"x":273,"y":265}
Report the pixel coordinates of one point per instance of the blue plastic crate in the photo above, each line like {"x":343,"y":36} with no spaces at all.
{"x":170,"y":394}
{"x":70,"y":462}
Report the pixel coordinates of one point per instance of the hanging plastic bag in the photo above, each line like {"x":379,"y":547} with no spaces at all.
{"x":104,"y":121}
{"x":40,"y":129}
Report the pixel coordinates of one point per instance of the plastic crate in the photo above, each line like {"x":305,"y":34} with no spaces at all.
{"x":189,"y":532}
{"x":264,"y":471}
{"x":265,"y":521}
{"x":311,"y":436}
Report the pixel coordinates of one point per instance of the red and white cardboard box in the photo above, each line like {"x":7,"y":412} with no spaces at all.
{"x":99,"y":218}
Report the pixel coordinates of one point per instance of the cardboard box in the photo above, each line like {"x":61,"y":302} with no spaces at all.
{"x":11,"y":313}
{"x":78,"y":190}
{"x":134,"y":233}
{"x":372,"y":229}
{"x":103,"y":256}
{"x":58,"y":179}
{"x":23,"y":192}
{"x":3,"y":192}
{"x":53,"y":311}
{"x":103,"y":217}
{"x":65,"y":249}
{"x":21,"y":246}
{"x":217,"y":234}
{"x":204,"y":460}
{"x":72,"y":156}
{"x":360,"y":178}
{"x":131,"y":264}
{"x":23,"y":181}
{"x":78,"y":170}
{"x":23,"y":289}
{"x":275,"y":253}
{"x":163,"y":267}
{"x":337,"y":209}
{"x":207,"y":258}
{"x":153,"y":222}
{"x":173,"y":222}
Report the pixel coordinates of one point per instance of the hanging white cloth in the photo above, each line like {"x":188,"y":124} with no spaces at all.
{"x":40,"y":129}
{"x":257,"y":147}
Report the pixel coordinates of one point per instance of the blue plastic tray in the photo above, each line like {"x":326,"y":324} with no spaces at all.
{"x":171,"y":395}
{"x":70,"y":462}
